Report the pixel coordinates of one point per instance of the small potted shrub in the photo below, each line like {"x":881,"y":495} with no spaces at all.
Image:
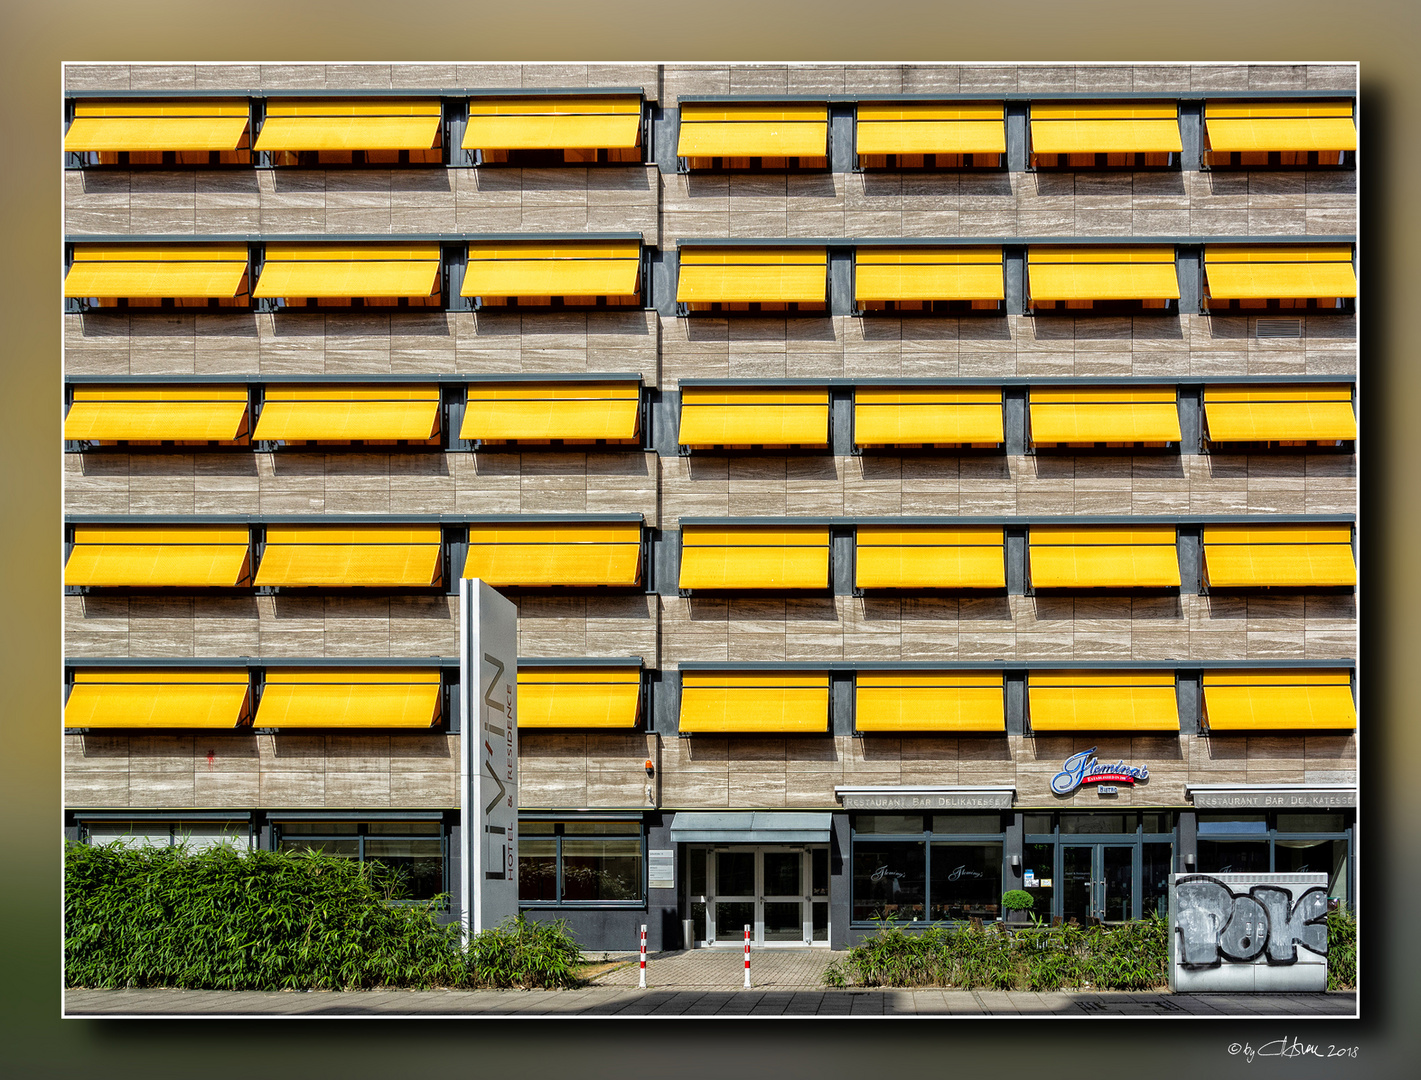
{"x":1018,"y":905}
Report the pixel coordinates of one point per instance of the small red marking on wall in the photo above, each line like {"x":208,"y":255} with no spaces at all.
{"x":211,"y":758}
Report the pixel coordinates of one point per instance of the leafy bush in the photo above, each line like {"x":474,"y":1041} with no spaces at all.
{"x":221,"y":919}
{"x":1341,"y":949}
{"x":1017,"y":900}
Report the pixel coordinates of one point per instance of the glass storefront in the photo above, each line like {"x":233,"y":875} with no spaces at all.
{"x":1110,"y":866}
{"x":1317,"y":841}
{"x":581,"y":862}
{"x":926,"y":867}
{"x":416,"y":849}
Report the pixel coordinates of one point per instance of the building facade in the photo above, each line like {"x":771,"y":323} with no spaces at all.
{"x":915,"y":482}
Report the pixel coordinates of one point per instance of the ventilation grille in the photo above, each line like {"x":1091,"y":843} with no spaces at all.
{"x":1280,"y":328}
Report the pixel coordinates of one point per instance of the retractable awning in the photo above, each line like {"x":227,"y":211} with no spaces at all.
{"x":567,"y":268}
{"x":544,"y":411}
{"x":748,"y":275}
{"x":1102,"y":701}
{"x":348,"y":556}
{"x":756,"y":827}
{"x":912,"y":416}
{"x":947,"y":701}
{"x":1102,"y":557}
{"x":929,"y":557}
{"x":341,"y":270}
{"x":754,"y":557}
{"x":1105,"y":128}
{"x":157,"y":413}
{"x":581,"y":696}
{"x":350,"y":698}
{"x":569,"y":554}
{"x":351,"y":124}
{"x":156,"y":126}
{"x":1297,"y":556}
{"x":164,"y":556}
{"x":926,"y":273}
{"x":1279,"y":413}
{"x":153,"y":271}
{"x":758,"y":703}
{"x":896,"y":127}
{"x":165,"y":698}
{"x":1281,"y":272}
{"x":553,"y":123}
{"x":1101,"y":273}
{"x":336,"y":413}
{"x":754,"y":416}
{"x":1286,"y":126}
{"x":774,"y":129}
{"x":1108,"y":414}
{"x":1289,"y":699}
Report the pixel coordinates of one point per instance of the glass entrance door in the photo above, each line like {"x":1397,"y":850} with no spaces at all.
{"x":768,"y":889}
{"x":1098,"y":882}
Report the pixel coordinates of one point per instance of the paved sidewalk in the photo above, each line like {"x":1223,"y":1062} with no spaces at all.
{"x":724,"y":969}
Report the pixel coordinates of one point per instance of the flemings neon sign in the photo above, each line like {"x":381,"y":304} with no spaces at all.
{"x":1083,"y":768}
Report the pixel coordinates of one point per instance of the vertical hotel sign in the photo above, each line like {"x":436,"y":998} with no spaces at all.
{"x":488,"y":756}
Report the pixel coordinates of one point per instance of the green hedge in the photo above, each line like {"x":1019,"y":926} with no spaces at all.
{"x":220,"y":919}
{"x":1341,"y":950}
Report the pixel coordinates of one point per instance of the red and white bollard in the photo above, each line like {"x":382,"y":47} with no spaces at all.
{"x":747,"y":957}
{"x":642,"y":984}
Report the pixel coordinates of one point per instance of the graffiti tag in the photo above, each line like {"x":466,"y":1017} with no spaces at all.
{"x":1216,"y":924}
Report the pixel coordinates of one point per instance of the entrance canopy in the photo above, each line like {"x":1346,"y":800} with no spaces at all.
{"x":751,"y":827}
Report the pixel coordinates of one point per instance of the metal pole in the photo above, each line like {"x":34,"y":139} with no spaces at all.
{"x":747,"y":956}
{"x":642,"y":984}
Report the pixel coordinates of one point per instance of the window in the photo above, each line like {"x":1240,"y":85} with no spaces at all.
{"x":1104,"y":135}
{"x":941,"y":417}
{"x":162,"y":132}
{"x":192,"y":835}
{"x":1271,"y":417}
{"x":1102,"y":557}
{"x":553,"y":413}
{"x":1103,"y":416}
{"x":754,"y":557}
{"x":948,"y":280}
{"x":929,"y":701}
{"x":1102,"y":280}
{"x":929,"y":557}
{"x":554,"y":274}
{"x":158,"y":415}
{"x":1284,"y":700}
{"x":570,"y":554}
{"x":351,"y":698}
{"x":352,"y":131}
{"x":1297,"y":278}
{"x":721,"y":280}
{"x":315,"y":275}
{"x":364,"y":556}
{"x":760,"y":703}
{"x":930,"y":135}
{"x":581,"y":696}
{"x":581,"y":863}
{"x":162,"y":698}
{"x":940,"y":867}
{"x":744,"y":417}
{"x":416,"y":849}
{"x":1278,"y":134}
{"x":752,"y":135}
{"x":536,"y":132}
{"x":1279,"y":556}
{"x":140,"y":276}
{"x":1101,"y":701}
{"x":382,"y":415}
{"x":159,"y":556}
{"x":1279,"y":842}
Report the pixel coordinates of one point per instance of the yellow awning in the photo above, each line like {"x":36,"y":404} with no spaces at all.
{"x":351,"y":555}
{"x":350,"y":124}
{"x":545,"y":411}
{"x":1298,"y":556}
{"x":1105,"y":128}
{"x":156,"y":413}
{"x":548,"y":123}
{"x":579,"y":697}
{"x":157,"y":270}
{"x":770,"y":703}
{"x":166,"y":556}
{"x":155,"y":126}
{"x":754,"y":416}
{"x":570,"y":554}
{"x":340,"y":270}
{"x":929,"y":557}
{"x":727,"y":129}
{"x":1103,"y":557}
{"x":907,"y":416}
{"x":1279,"y":413}
{"x":1102,"y":273}
{"x":555,"y":268}
{"x":895,"y":127}
{"x":1235,"y":272}
{"x":324,"y":412}
{"x":754,"y":557}
{"x":164,"y":698}
{"x":350,"y":698}
{"x":1102,"y":701}
{"x":1109,"y":414}
{"x":1279,"y":700}
{"x":924,"y":273}
{"x":1285,"y":126}
{"x":928,"y":701}
{"x":763,"y":275}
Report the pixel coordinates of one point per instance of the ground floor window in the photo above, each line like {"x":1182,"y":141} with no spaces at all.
{"x":933,"y":867}
{"x":417,"y":849}
{"x":1104,"y":867}
{"x":581,"y":862}
{"x":1280,"y":842}
{"x":194,"y":835}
